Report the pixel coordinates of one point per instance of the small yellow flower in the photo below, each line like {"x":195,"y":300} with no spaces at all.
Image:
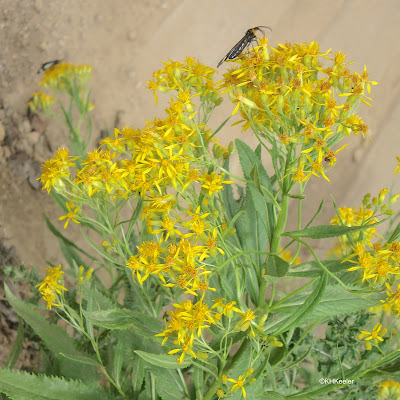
{"x":212,"y":183}
{"x":71,"y":214}
{"x":238,"y":384}
{"x":245,"y":321}
{"x":374,"y":336}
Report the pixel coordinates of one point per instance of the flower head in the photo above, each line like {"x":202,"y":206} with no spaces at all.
{"x":375,"y":336}
{"x":50,"y":287}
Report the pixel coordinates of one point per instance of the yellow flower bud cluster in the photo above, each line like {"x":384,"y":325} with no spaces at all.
{"x":288,"y":97}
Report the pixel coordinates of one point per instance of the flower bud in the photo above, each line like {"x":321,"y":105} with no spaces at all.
{"x":264,"y":99}
{"x":394,"y":198}
{"x":177,"y":73}
{"x":285,"y":74}
{"x":307,"y":61}
{"x":280,"y":102}
{"x":352,"y":99}
{"x":382,"y":195}
{"x":88,"y":274}
{"x":366,"y":199}
{"x":217,"y":151}
{"x":218,"y":101}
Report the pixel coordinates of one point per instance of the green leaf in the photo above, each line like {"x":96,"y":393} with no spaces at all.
{"x":232,"y":206}
{"x":276,"y":266}
{"x":220,"y":127}
{"x":137,"y":375}
{"x":241,"y":363}
{"x":169,"y":385}
{"x":271,"y":395}
{"x":395,"y":234}
{"x":163,"y":360}
{"x":259,"y":218}
{"x":119,"y":355}
{"x":17,"y":346}
{"x":319,"y":390}
{"x":326,"y":231}
{"x":54,"y":338}
{"x":311,"y":269}
{"x":335,"y":301}
{"x":147,"y":393}
{"x":115,"y":318}
{"x":198,"y":380}
{"x":316,"y":213}
{"x":24,"y":386}
{"x":134,"y":217}
{"x":118,"y":318}
{"x":226,"y":285}
{"x":299,"y":359}
{"x":299,"y":314}
{"x":81,"y":358}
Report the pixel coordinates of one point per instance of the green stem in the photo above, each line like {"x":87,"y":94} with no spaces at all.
{"x":280,"y":225}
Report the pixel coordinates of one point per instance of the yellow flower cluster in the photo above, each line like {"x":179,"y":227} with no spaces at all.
{"x":353,"y":217}
{"x":187,"y":321}
{"x":363,"y":217}
{"x":389,"y":389}
{"x":141,"y":162}
{"x":41,"y":102}
{"x":180,"y":263}
{"x":50,"y":287}
{"x":55,"y":170}
{"x":164,"y":164}
{"x":59,"y":77}
{"x":381,"y":265}
{"x":288,"y":97}
{"x":188,"y":77}
{"x":379,"y":262}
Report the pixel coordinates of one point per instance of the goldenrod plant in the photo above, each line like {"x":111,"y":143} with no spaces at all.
{"x":70,"y":86}
{"x":194,"y":288}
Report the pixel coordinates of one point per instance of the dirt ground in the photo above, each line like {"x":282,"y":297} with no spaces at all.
{"x":125,"y":41}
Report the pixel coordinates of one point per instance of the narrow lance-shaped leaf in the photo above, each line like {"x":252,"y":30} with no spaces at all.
{"x":54,"y":338}
{"x":304,"y":310}
{"x":163,"y":360}
{"x":23,"y":386}
{"x":326,"y":231}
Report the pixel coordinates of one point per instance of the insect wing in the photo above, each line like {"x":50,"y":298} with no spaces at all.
{"x":47,"y":65}
{"x":238,"y":47}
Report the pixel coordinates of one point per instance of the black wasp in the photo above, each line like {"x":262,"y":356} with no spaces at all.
{"x":47,"y":65}
{"x":249,"y":37}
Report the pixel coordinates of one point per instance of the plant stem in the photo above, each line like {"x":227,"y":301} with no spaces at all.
{"x":280,"y":225}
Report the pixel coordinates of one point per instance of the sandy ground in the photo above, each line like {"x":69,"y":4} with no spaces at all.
{"x":125,"y":41}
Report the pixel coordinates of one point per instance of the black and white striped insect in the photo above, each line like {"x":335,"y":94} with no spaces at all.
{"x":247,"y":39}
{"x":47,"y":65}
